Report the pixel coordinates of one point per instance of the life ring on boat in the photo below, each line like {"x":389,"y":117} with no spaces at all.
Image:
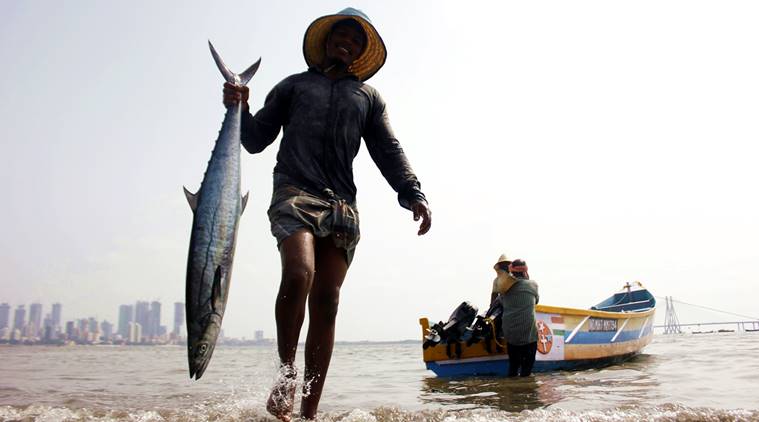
{"x":545,"y":337}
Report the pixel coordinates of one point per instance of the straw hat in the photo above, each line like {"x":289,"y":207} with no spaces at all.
{"x":364,"y":67}
{"x":502,"y":258}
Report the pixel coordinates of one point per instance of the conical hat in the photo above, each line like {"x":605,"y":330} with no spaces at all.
{"x":364,"y":67}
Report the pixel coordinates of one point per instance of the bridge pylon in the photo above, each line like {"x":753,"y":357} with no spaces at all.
{"x":671,"y":323}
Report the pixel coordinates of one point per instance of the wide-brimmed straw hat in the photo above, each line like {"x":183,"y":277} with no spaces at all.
{"x":364,"y":67}
{"x":501,"y":259}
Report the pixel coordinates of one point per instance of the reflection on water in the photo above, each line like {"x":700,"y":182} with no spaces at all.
{"x":617,"y":385}
{"x":509,"y":394}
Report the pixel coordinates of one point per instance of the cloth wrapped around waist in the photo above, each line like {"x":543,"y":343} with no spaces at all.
{"x":294,"y":209}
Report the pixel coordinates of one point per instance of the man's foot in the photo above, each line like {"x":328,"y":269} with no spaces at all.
{"x":282,"y":396}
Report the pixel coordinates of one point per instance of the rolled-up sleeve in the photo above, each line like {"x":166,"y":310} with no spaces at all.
{"x":259,"y":131}
{"x":389,"y":157}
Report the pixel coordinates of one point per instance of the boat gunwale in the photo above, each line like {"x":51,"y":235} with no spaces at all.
{"x":547,"y":309}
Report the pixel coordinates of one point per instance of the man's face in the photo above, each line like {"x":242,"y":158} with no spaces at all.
{"x":345,"y":43}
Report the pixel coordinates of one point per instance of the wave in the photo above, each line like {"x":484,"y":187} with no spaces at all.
{"x":242,"y":411}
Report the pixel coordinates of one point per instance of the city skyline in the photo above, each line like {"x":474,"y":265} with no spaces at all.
{"x":56,"y":312}
{"x":138,"y":323}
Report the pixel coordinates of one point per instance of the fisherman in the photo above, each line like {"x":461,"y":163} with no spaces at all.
{"x":519,"y":327}
{"x":325,"y":112}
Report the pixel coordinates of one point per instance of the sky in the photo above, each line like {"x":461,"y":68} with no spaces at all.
{"x":603,"y":142}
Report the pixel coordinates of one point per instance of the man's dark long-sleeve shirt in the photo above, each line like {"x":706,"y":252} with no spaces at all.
{"x":323,"y":122}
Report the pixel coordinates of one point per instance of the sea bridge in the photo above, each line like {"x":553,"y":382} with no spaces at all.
{"x":672,"y":324}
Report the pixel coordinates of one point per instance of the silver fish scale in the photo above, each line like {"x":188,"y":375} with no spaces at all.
{"x":217,"y":216}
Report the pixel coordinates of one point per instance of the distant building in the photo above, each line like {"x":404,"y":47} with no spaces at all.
{"x":19,"y":318}
{"x":71,"y":333}
{"x":56,"y":316}
{"x":142,"y":317}
{"x":154,"y":320}
{"x":259,"y":335}
{"x":135,"y":332}
{"x":126,"y":316}
{"x":48,"y":333}
{"x":92,"y":325}
{"x":106,"y":330}
{"x":47,"y":329}
{"x":35,"y":319}
{"x":5,"y":315}
{"x":178,"y":318}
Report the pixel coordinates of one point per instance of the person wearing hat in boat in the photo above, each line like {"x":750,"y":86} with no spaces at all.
{"x":325,"y":112}
{"x":518,"y":319}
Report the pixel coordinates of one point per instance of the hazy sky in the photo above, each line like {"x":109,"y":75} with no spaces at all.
{"x":601,"y":141}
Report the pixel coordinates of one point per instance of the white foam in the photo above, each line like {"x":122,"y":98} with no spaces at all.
{"x":252,"y":410}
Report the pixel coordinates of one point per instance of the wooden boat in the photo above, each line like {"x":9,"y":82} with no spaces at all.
{"x":611,"y":332}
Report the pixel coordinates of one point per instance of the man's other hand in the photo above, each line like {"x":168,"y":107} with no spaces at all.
{"x":422,"y":210}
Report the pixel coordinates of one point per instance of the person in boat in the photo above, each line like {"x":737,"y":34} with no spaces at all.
{"x":325,"y":112}
{"x":519,"y":329}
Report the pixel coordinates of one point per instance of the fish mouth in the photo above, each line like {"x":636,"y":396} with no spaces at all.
{"x":199,"y":357}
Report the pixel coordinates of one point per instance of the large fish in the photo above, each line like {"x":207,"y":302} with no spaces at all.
{"x":217,"y":207}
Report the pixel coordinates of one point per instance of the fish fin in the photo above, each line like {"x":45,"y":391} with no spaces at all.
{"x":244,"y":202}
{"x":249,"y":72}
{"x":216,"y":296}
{"x":192,"y":199}
{"x":229,"y":76}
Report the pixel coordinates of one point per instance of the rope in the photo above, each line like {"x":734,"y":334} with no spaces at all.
{"x":492,"y":328}
{"x":712,"y":309}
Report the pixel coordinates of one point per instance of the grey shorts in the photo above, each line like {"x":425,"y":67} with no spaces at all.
{"x":294,"y":209}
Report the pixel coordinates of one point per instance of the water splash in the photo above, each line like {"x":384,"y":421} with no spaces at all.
{"x":235,"y":411}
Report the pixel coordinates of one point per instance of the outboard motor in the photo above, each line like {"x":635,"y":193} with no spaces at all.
{"x":455,"y":330}
{"x":486,"y":325}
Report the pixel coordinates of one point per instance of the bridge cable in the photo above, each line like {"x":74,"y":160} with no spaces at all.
{"x":713,"y":309}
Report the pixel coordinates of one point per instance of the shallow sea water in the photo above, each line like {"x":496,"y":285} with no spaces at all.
{"x":709,"y":377}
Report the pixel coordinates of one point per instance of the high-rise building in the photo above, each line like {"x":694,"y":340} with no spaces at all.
{"x":92,"y":325}
{"x":258,"y":335}
{"x":126,"y":316}
{"x":35,"y":319}
{"x":56,"y":316}
{"x":178,"y":317}
{"x":47,"y":323}
{"x":106,"y":329}
{"x":19,"y":318}
{"x":83,"y":326}
{"x":135,"y":332}
{"x":48,"y":330}
{"x":5,"y":315}
{"x":71,"y":333}
{"x":142,"y":317}
{"x":154,"y":321}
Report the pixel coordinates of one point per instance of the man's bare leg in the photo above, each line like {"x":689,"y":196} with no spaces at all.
{"x":323,"y":300}
{"x":298,"y":264}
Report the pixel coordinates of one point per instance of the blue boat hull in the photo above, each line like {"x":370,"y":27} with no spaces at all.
{"x":500,"y":367}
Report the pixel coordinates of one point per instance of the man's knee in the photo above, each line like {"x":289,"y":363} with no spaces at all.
{"x":296,"y":280}
{"x":323,"y":304}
